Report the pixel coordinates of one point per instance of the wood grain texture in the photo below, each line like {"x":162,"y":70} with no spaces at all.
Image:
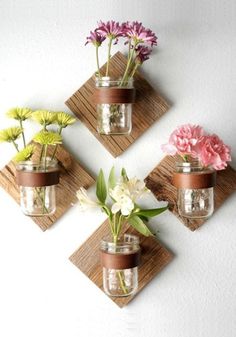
{"x":72,"y":177}
{"x":149,"y":107}
{"x":154,"y":258}
{"x":159,"y":181}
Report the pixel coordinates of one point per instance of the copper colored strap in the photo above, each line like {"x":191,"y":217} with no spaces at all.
{"x":114,"y":95}
{"x":120,"y":261}
{"x":194,"y":180}
{"x":37,"y":179}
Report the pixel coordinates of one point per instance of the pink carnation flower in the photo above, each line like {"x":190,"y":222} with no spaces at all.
{"x":213,"y":152}
{"x":184,"y":140}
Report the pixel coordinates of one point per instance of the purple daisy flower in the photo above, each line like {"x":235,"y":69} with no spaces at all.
{"x":136,"y":32}
{"x":95,"y":38}
{"x":142,"y":54}
{"x":111,"y":29}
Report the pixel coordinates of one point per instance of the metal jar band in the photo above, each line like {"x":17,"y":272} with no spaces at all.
{"x":120,"y":261}
{"x":37,"y":179}
{"x":194,"y":180}
{"x":114,"y":95}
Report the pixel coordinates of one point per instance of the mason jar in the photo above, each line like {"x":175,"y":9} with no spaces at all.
{"x":37,"y":187}
{"x":120,"y":265}
{"x":195,"y":190}
{"x":114,"y":100}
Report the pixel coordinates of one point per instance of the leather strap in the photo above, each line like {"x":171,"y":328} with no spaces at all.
{"x":195,"y":180}
{"x":37,"y":179}
{"x":120,"y":261}
{"x":114,"y":95}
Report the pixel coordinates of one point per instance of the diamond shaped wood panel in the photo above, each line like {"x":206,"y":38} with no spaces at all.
{"x":159,"y":181}
{"x":149,"y":107}
{"x":72,"y":177}
{"x":154,"y":258}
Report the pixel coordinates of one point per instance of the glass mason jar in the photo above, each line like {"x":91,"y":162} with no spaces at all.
{"x":195,"y":190}
{"x":114,"y":106}
{"x":37,"y":187}
{"x":120,"y":265}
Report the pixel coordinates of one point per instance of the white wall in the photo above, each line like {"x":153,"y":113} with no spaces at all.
{"x":43,"y":60}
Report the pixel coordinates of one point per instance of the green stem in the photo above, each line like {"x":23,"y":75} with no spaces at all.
{"x":42,"y":199}
{"x":134,"y":70}
{"x":16,"y":146}
{"x":116,"y":232}
{"x":185,"y":158}
{"x":45,"y":167}
{"x":119,"y":226}
{"x":97,"y":59}
{"x":115,"y":239}
{"x":131,"y":67}
{"x":45,"y":157}
{"x":114,"y":225}
{"x":108,"y":56}
{"x":129,"y":48}
{"x":111,"y":227}
{"x":42,"y":149}
{"x":23,"y":134}
{"x":56,"y":147}
{"x":128,"y":65}
{"x":122,"y":282}
{"x":41,"y":154}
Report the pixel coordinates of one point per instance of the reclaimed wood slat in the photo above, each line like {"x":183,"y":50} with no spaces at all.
{"x":72,"y":177}
{"x":159,"y":181}
{"x":154,"y":258}
{"x":147,"y":109}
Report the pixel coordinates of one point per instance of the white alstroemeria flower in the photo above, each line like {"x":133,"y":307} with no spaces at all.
{"x":137,"y":188}
{"x":133,"y":188}
{"x":125,"y":195}
{"x":84,"y":201}
{"x":119,"y":190}
{"x":123,"y":204}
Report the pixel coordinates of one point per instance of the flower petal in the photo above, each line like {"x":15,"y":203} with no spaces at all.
{"x":115,"y":208}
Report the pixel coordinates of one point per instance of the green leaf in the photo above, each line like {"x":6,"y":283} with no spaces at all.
{"x":139,"y":225}
{"x":143,"y":218}
{"x":107,"y":211}
{"x":151,"y":212}
{"x":124,"y":175}
{"x":112,"y":179}
{"x":101,"y":190}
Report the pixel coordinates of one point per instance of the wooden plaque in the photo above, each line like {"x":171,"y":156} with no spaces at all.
{"x":72,"y":177}
{"x":159,"y":181}
{"x":154,"y":258}
{"x":149,"y":107}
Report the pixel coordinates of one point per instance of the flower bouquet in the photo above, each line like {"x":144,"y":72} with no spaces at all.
{"x":114,"y":96}
{"x":120,"y":253}
{"x":36,"y":178}
{"x":201,"y":156}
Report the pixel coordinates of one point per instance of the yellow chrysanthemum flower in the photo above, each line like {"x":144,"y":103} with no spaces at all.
{"x":25,"y":154}
{"x":44,"y":117}
{"x":48,"y":138}
{"x":20,"y":114}
{"x":63,"y":119}
{"x":10,"y":134}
